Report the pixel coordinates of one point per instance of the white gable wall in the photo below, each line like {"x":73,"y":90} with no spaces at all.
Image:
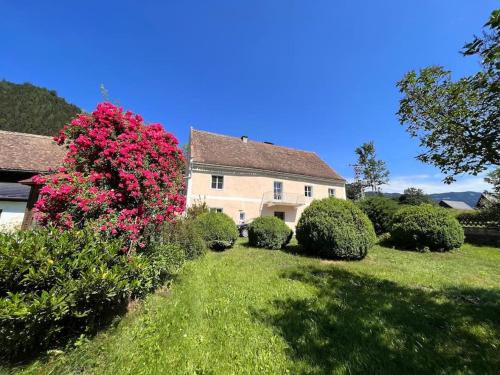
{"x":12,"y":215}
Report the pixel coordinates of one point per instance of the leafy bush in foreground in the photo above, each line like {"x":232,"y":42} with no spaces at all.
{"x":269,"y":232}
{"x":426,"y":226}
{"x":335,"y":228}
{"x":55,"y":285}
{"x":380,"y":211}
{"x":218,"y":230}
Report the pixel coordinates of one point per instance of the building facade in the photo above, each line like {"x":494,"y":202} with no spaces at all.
{"x":247,"y":179}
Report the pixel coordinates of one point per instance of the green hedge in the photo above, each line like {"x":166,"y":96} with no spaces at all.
{"x":380,"y":211}
{"x":218,"y":230}
{"x":187,"y":235}
{"x":335,"y":228}
{"x":426,"y":226}
{"x":56,"y":285}
{"x":269,"y":232}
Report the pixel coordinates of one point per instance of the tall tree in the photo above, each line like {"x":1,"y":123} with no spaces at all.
{"x":457,"y":122}
{"x":369,"y":171}
{"x":493,"y":178}
{"x":414,"y":196}
{"x":30,"y":109}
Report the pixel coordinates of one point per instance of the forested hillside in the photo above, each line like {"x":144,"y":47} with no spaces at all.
{"x":30,"y":109}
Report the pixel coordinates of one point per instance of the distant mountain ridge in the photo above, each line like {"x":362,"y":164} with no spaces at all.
{"x":469,"y":197}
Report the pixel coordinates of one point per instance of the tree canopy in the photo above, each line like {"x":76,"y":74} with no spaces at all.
{"x":414,"y":196}
{"x":369,"y":171}
{"x":27,"y":108}
{"x":457,"y":122}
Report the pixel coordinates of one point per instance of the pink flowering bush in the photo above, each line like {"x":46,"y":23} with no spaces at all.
{"x":119,"y":174}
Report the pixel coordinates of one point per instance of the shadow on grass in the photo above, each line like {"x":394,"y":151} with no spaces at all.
{"x":70,"y":330}
{"x":359,"y":324}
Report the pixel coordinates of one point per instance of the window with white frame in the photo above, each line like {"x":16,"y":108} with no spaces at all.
{"x":242,"y":216}
{"x":217,"y":182}
{"x":216,"y":209}
{"x":308,"y":191}
{"x":278,"y":190}
{"x":331,"y":192}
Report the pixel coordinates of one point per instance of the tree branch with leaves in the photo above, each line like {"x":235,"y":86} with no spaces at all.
{"x":457,"y":122}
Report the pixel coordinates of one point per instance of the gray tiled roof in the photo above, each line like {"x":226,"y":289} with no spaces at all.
{"x":456,"y":204}
{"x":13,"y":191}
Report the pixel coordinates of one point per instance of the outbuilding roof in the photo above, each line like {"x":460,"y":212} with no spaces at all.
{"x":21,"y":152}
{"x":13,"y":191}
{"x":223,"y":150}
{"x":455,"y":204}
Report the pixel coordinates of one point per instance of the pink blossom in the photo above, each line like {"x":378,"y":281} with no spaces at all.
{"x":126,"y":173}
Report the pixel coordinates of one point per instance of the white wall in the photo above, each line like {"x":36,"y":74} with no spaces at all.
{"x":12,"y":215}
{"x":244,"y":192}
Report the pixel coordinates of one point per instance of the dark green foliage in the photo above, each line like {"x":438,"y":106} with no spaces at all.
{"x":269,"y":232}
{"x":380,"y":211}
{"x":354,"y":190}
{"x":491,"y":212}
{"x":57,"y":285}
{"x":488,"y":213}
{"x":30,"y":109}
{"x":187,"y":235}
{"x":159,"y":263}
{"x":218,"y":230}
{"x":335,"y":228}
{"x":463,"y":216}
{"x":414,"y":196}
{"x":426,"y":226}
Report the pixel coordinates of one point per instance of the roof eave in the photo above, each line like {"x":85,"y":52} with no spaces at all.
{"x":268,"y":171}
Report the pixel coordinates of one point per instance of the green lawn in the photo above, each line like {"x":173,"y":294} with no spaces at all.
{"x":257,"y":311}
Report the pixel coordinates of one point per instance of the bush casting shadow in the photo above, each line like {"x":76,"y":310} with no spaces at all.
{"x":359,"y":324}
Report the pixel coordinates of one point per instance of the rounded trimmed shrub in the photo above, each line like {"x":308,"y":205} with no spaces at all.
{"x":218,"y":230}
{"x":426,"y":226}
{"x":269,"y":232}
{"x":335,"y":228}
{"x":380,"y":211}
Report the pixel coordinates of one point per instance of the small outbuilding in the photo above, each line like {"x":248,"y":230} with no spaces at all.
{"x":458,"y":205}
{"x":486,"y":199}
{"x":23,"y":156}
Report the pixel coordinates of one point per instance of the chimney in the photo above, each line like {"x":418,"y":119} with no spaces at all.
{"x":244,"y":138}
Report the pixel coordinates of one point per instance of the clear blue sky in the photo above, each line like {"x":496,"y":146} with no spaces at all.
{"x":315,"y":75}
